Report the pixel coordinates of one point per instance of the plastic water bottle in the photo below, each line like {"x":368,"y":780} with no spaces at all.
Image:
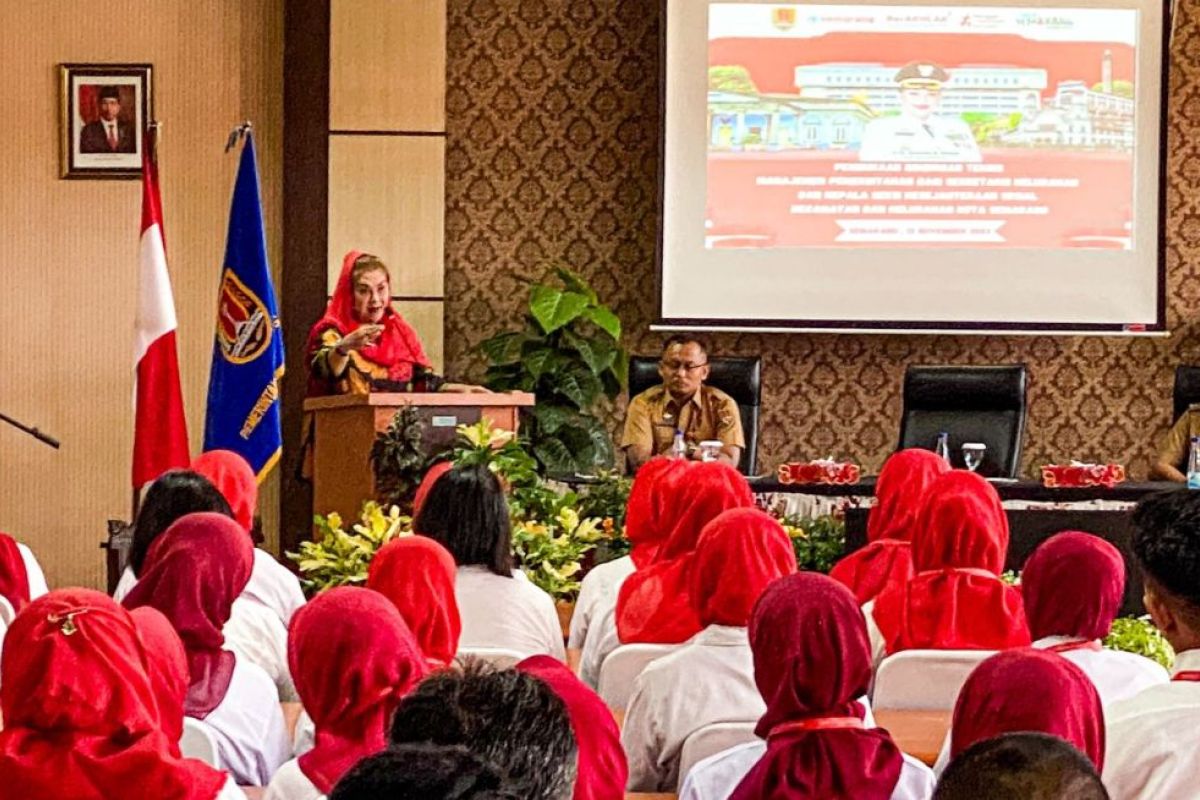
{"x":942,"y":448}
{"x":678,"y":447}
{"x":1193,"y":472}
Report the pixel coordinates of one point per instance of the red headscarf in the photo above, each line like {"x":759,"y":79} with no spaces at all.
{"x":956,"y":600}
{"x":1032,"y":691}
{"x":811,"y":660}
{"x":14,"y":579}
{"x":644,"y":526}
{"x":397,"y":348}
{"x":603,"y":771}
{"x":80,"y":716}
{"x":417,"y":574}
{"x":234,"y":479}
{"x":167,"y":668}
{"x":739,"y":554}
{"x":353,"y":659}
{"x":899,"y":492}
{"x":192,"y":574}
{"x":653,"y":605}
{"x":431,"y":477}
{"x":1073,"y":584}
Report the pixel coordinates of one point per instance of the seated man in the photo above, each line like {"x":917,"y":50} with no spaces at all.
{"x":1171,"y":462}
{"x":683,"y":403}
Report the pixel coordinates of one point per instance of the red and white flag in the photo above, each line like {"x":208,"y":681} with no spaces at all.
{"x":160,"y":440}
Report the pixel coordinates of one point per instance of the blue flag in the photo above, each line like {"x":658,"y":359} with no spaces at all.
{"x":243,"y":387}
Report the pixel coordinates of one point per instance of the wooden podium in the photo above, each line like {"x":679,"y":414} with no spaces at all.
{"x":345,"y":428}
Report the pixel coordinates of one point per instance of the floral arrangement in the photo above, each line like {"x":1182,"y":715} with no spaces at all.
{"x":552,"y":553}
{"x":337,"y":556}
{"x":818,"y":541}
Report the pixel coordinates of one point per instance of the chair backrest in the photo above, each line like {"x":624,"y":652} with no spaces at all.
{"x":622,"y":666}
{"x":7,"y":614}
{"x":199,"y":742}
{"x":971,"y":404}
{"x":1187,"y":388}
{"x":740,"y":378}
{"x":710,"y":740}
{"x":498,"y":657}
{"x":924,"y":680}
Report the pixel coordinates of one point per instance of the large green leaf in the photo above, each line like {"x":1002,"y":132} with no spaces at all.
{"x":575,"y":283}
{"x":605,"y":320}
{"x":553,"y":308}
{"x":602,"y":443}
{"x":506,"y":378}
{"x":539,"y":362}
{"x":554,"y":456}
{"x":504,"y":348}
{"x":598,"y":354}
{"x":578,"y":385}
{"x":551,"y":417}
{"x":620,"y":367}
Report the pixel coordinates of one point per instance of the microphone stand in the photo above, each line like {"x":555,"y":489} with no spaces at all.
{"x":34,"y":432}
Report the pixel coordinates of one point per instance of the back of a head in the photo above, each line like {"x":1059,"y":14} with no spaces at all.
{"x":961,"y":524}
{"x":176,"y":494}
{"x":1021,"y":766}
{"x":423,"y":772}
{"x":508,"y":717}
{"x":466,"y":512}
{"x":1166,"y":542}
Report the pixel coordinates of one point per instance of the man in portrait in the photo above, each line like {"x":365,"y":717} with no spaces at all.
{"x":109,"y":134}
{"x":919,"y":132}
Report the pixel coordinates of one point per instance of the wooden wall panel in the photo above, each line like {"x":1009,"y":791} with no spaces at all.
{"x":387,"y":197}
{"x":387,"y":65}
{"x":70,"y":248}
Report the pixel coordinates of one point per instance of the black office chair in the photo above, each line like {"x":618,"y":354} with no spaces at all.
{"x":740,"y":378}
{"x":1187,"y":389}
{"x":972,"y":404}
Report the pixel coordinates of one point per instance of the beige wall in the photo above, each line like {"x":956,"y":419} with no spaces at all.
{"x":69,"y":248}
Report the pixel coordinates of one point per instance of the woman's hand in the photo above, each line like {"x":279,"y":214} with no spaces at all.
{"x":360,"y":337}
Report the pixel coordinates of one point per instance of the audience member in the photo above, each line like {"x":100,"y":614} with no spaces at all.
{"x":417,"y":575}
{"x":601,"y":771}
{"x":81,"y":719}
{"x":1073,"y":584}
{"x":21,"y":577}
{"x":507,"y":717}
{"x":192,"y":574}
{"x":466,"y":512}
{"x":1153,"y":737}
{"x":167,"y":669}
{"x":353,"y":658}
{"x":711,"y":678}
{"x":899,"y":493}
{"x":1021,"y":766}
{"x":424,"y":772}
{"x":956,"y":600}
{"x":812,"y":665}
{"x":423,"y":488}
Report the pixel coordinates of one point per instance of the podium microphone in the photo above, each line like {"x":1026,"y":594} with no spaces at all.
{"x":34,"y":432}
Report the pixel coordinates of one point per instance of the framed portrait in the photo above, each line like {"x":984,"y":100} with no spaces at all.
{"x":104,"y":111}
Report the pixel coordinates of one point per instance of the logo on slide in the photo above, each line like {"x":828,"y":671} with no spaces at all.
{"x":783,"y":18}
{"x":243,"y":325}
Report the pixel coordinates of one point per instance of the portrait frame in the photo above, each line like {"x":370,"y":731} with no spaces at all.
{"x":103,"y":113}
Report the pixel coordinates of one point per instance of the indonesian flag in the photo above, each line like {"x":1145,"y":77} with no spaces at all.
{"x":160,"y":440}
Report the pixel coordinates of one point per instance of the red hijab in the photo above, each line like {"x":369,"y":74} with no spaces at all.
{"x":417,"y":574}
{"x":431,"y":477}
{"x":887,"y":558}
{"x":14,"y":579}
{"x":644,"y":526}
{"x":167,"y":668}
{"x":811,"y":660}
{"x":739,"y":554}
{"x":192,"y":574}
{"x":602,"y":769}
{"x":1034,"y":691}
{"x":397,"y":348}
{"x":653,"y":605}
{"x":234,"y":479}
{"x":1073,"y":584}
{"x":956,"y":601}
{"x":80,"y":717}
{"x":353,"y":659}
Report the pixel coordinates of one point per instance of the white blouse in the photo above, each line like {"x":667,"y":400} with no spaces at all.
{"x":274,"y":586}
{"x":506,"y":613}
{"x":1116,"y":675}
{"x":290,"y":783}
{"x":602,"y":639}
{"x":230,"y":791}
{"x":248,"y":724}
{"x":256,"y":634}
{"x":597,"y":594}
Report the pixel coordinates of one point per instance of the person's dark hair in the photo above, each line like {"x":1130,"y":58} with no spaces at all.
{"x":368,"y":263}
{"x":1021,"y":766}
{"x":423,"y":772}
{"x":109,"y":92}
{"x":176,"y":494}
{"x":508,"y":717}
{"x":685,"y":339}
{"x":1166,"y":543}
{"x":467,"y":514}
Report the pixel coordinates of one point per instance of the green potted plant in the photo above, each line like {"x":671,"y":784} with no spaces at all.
{"x":396,"y":459}
{"x":337,"y":557}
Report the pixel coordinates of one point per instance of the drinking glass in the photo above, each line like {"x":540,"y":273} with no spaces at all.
{"x":973,"y":453}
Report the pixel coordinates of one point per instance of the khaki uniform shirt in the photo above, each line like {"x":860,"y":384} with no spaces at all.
{"x":709,"y":415}
{"x":1175,"y":447}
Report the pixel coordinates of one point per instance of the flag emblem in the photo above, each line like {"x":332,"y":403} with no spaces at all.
{"x":243,"y":322}
{"x":783,"y":18}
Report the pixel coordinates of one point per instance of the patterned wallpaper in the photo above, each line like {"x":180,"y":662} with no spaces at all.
{"x":552,"y":154}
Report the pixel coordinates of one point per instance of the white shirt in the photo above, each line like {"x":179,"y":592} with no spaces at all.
{"x":274,"y":586}
{"x":230,"y":791}
{"x":256,"y":634}
{"x":597,"y":594}
{"x":507,"y":613}
{"x":1153,"y":740}
{"x":907,"y":138}
{"x":874,"y":635}
{"x":1116,"y":675}
{"x":709,"y":679}
{"x":290,"y":783}
{"x":248,"y":724}
{"x":33,"y":572}
{"x":717,"y":776}
{"x":601,"y":640}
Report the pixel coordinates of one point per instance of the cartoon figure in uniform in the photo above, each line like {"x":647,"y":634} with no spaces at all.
{"x":919,"y":133}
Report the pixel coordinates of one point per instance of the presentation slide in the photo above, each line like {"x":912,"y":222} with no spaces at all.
{"x":851,"y":126}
